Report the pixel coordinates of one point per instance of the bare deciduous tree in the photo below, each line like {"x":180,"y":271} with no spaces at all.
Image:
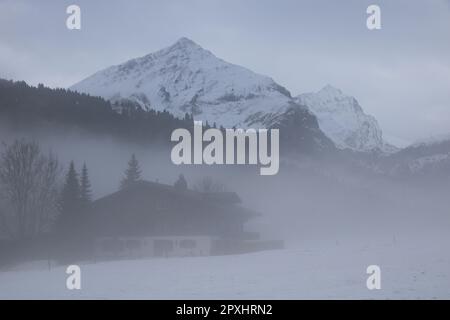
{"x":29,"y":189}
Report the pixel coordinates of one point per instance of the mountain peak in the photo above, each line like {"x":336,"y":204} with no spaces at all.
{"x":184,"y":42}
{"x":343,"y":120}
{"x":330,"y":90}
{"x":185,"y":49}
{"x":185,"y":78}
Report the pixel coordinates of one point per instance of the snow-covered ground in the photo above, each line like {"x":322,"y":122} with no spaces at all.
{"x":330,"y":270}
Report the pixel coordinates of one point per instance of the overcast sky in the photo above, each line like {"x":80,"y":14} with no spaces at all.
{"x":400,"y":74}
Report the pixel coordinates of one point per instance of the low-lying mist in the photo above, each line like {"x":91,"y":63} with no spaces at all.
{"x":301,"y":205}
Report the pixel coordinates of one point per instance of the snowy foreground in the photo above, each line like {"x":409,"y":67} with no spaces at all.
{"x":335,"y":271}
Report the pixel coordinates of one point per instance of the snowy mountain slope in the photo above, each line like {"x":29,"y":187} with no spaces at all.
{"x":185,"y":78}
{"x":343,"y":120}
{"x":427,"y":161}
{"x":429,"y":157}
{"x":433,"y":140}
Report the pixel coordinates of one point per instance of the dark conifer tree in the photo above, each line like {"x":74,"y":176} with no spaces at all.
{"x":132,"y":174}
{"x":181,"y":183}
{"x":85,"y":187}
{"x":71,"y":197}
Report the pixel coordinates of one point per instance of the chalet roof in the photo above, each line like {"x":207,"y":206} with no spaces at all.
{"x":144,"y":193}
{"x":149,"y":207}
{"x":214,"y":197}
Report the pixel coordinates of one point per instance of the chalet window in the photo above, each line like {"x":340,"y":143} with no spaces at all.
{"x":133,"y":244}
{"x":112,"y":245}
{"x":188,"y":244}
{"x":163,"y":247}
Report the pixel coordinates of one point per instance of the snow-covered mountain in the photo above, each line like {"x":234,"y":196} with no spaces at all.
{"x":427,"y":158}
{"x":343,"y":120}
{"x":185,"y":78}
{"x":432,"y":140}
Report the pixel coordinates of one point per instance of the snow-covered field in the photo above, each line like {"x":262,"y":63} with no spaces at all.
{"x":330,"y":271}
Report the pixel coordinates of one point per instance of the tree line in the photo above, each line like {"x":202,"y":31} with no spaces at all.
{"x":37,"y":197}
{"x":25,"y":107}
